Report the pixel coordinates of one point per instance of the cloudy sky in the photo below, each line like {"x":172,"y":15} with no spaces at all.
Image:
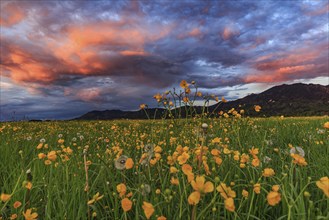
{"x":60,"y":59}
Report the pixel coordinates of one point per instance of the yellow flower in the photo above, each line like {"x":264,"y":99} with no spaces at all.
{"x":245,"y":193}
{"x":223,"y":99}
{"x":95,"y":198}
{"x":201,"y":186}
{"x":185,"y":99}
{"x":257,"y":188}
{"x":183,"y":84}
{"x":5,"y":197}
{"x":257,"y":108}
{"x":126,"y":204}
{"x":122,"y":189}
{"x":273,"y":198}
{"x":229,"y":204}
{"x":183,"y":158}
{"x":299,"y":160}
{"x":268,"y":172}
{"x":47,"y":162}
{"x":17,"y":204}
{"x":161,"y":218}
{"x":29,"y":215}
{"x":323,"y":184}
{"x":225,"y":191}
{"x":194,"y":198}
{"x":148,"y":209}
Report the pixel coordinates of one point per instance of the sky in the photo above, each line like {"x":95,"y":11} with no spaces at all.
{"x":61,"y":59}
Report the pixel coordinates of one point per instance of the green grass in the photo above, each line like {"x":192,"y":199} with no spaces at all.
{"x":58,"y":189}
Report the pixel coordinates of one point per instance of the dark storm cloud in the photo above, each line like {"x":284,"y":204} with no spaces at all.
{"x":117,"y":54}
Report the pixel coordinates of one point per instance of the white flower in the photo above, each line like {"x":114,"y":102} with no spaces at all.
{"x":120,"y":163}
{"x":42,"y":140}
{"x":267,"y":159}
{"x":297,"y":150}
{"x":204,"y":125}
{"x":321,"y":131}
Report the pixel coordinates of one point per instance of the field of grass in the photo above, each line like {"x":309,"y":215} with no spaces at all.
{"x":165,"y":169}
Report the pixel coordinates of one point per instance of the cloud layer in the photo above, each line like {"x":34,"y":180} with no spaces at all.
{"x":117,"y":54}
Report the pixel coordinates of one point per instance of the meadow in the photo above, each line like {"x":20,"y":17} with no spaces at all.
{"x":208,"y":165}
{"x":220,"y":168}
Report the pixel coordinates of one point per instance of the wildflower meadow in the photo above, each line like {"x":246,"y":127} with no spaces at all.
{"x":219,"y":165}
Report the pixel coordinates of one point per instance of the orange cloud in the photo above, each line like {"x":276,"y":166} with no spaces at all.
{"x":195,"y":32}
{"x":11,"y":14}
{"x":229,"y":32}
{"x":87,"y":49}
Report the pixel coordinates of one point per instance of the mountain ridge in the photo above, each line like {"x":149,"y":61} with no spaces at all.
{"x":297,"y":99}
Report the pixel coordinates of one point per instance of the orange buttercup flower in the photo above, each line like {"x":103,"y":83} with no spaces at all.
{"x":254,"y":151}
{"x":225,"y":191}
{"x":161,"y":218}
{"x":326,"y":125}
{"x":187,"y":170}
{"x":194,"y":198}
{"x":273,"y":198}
{"x":173,"y":170}
{"x":122,"y":189}
{"x":185,"y":99}
{"x":323,"y":184}
{"x":29,"y":215}
{"x":148,"y":209}
{"x":28,"y":185}
{"x":229,"y":204}
{"x":183,"y":84}
{"x":255,"y":162}
{"x":52,"y":155}
{"x":17,"y":204}
{"x":257,"y":188}
{"x":268,"y":172}
{"x":257,"y":108}
{"x":95,"y":198}
{"x":299,"y":160}
{"x":183,"y":158}
{"x":41,"y":155}
{"x":174,"y":181}
{"x":126,"y":204}
{"x":13,"y":216}
{"x":245,"y":193}
{"x":275,"y":188}
{"x":129,"y":163}
{"x":47,"y":162}
{"x":201,"y":186}
{"x":142,"y":106}
{"x":5,"y":197}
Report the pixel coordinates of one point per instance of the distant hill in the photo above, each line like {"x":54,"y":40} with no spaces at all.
{"x":289,"y":100}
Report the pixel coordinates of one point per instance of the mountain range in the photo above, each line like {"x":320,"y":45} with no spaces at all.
{"x":289,"y":100}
